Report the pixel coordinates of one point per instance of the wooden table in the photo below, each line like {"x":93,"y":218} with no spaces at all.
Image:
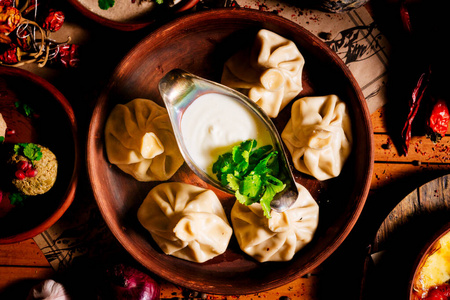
{"x":22,"y":265}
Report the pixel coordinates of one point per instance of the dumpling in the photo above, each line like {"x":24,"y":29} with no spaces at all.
{"x":269,"y":72}
{"x":281,"y":236}
{"x":186,"y":221}
{"x":319,"y":136}
{"x":139,"y":139}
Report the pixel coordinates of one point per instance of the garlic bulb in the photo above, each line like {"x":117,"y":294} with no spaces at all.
{"x":48,"y":290}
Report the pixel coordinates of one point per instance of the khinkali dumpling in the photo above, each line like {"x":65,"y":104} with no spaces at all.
{"x":186,"y":221}
{"x":140,"y":141}
{"x":281,"y":236}
{"x":319,"y":136}
{"x":269,"y":73}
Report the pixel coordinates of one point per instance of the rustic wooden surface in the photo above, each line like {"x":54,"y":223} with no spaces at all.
{"x":23,"y":264}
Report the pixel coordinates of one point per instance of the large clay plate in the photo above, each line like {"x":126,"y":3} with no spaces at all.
{"x":54,"y":126}
{"x":200,"y":43}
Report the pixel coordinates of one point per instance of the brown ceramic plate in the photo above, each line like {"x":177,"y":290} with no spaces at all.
{"x":428,"y":249}
{"x":200,"y":43}
{"x":128,"y":15}
{"x":53,"y":125}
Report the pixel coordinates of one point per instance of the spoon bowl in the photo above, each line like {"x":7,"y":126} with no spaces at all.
{"x":179,"y":89}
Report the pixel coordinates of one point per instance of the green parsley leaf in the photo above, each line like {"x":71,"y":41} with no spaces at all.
{"x":253,"y":173}
{"x":159,"y":1}
{"x":29,"y":150}
{"x":17,"y":198}
{"x":251,"y":185}
{"x":2,"y":139}
{"x":106,"y":4}
{"x":233,"y":182}
{"x":24,"y":108}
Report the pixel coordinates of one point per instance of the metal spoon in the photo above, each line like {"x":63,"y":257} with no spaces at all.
{"x":179,"y":89}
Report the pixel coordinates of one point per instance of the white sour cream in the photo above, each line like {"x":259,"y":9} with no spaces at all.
{"x":214,"y":123}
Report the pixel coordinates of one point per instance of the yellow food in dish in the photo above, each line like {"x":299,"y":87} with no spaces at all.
{"x":435,"y":270}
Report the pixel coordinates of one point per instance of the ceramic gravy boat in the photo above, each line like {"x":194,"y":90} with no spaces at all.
{"x":179,"y":89}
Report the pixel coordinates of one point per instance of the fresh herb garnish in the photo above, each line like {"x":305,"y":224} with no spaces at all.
{"x":251,"y":173}
{"x":2,"y":139}
{"x":29,"y":150}
{"x":17,"y":198}
{"x":106,"y":4}
{"x":24,"y":108}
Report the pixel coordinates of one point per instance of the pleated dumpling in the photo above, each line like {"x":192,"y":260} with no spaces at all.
{"x":319,"y":136}
{"x":140,"y":141}
{"x":269,"y":72}
{"x":186,"y":221}
{"x":281,"y":236}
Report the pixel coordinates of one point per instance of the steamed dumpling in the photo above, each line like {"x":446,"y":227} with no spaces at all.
{"x":140,"y":141}
{"x":281,"y":236}
{"x":269,"y":73}
{"x":319,"y":136}
{"x":186,"y":221}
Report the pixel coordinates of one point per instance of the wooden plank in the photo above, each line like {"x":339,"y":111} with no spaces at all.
{"x":421,"y":150}
{"x":388,"y":174}
{"x":17,"y":281}
{"x":302,"y":288}
{"x":25,"y":253}
{"x":377,"y":119}
{"x":405,"y":231}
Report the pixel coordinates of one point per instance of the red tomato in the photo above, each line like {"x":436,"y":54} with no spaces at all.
{"x":445,"y":289}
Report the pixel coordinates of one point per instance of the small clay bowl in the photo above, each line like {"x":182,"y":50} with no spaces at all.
{"x":132,"y":21}
{"x":52,"y":124}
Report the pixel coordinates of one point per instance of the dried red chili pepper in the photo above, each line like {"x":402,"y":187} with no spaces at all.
{"x":437,"y":122}
{"x":9,"y":19}
{"x":414,"y":103}
{"x":22,"y":38}
{"x":405,"y":18}
{"x":7,"y":2}
{"x":32,"y":7}
{"x":68,"y":55}
{"x":4,"y":39}
{"x":11,"y":55}
{"x":54,"y":20}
